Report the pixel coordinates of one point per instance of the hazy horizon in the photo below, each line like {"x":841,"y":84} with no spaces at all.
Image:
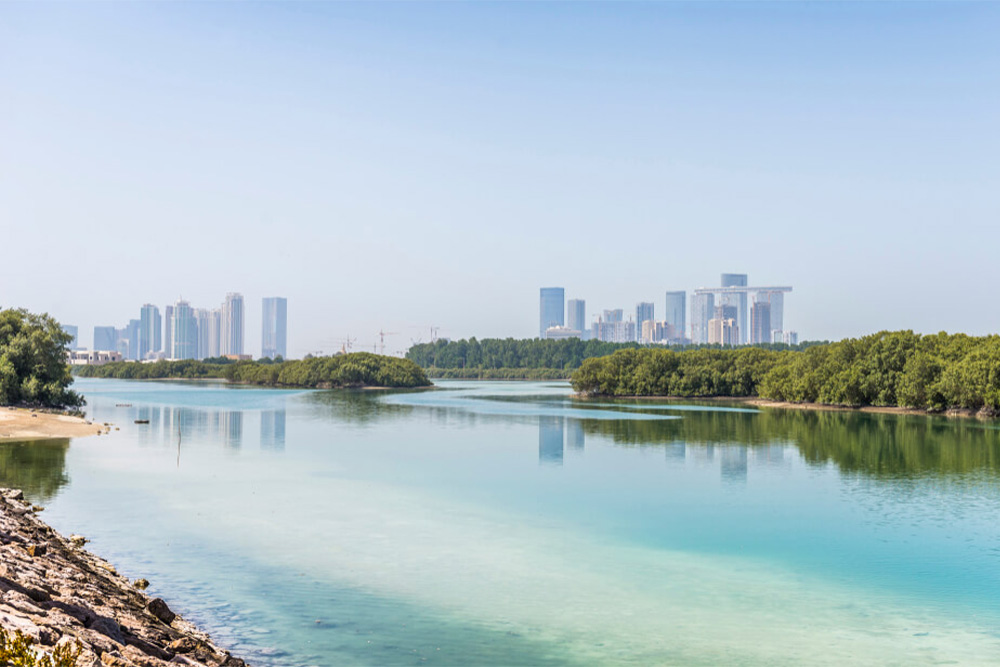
{"x":402,"y":166}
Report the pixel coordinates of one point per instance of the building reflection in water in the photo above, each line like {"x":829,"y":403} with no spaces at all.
{"x":556,"y":435}
{"x":574,"y":435}
{"x":733,"y":463}
{"x":167,"y":425}
{"x":272,"y":430}
{"x":675,"y":452}
{"x":231,"y":427}
{"x":550,"y":440}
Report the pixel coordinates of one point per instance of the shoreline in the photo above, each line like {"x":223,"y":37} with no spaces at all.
{"x":28,"y":424}
{"x":56,"y":592}
{"x":821,"y":407}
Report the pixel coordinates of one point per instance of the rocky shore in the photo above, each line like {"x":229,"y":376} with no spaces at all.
{"x":55,"y":592}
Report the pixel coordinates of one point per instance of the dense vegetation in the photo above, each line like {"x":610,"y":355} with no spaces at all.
{"x":509,"y":353}
{"x":359,"y":369}
{"x":527,"y":359}
{"x":891,"y":369}
{"x":498,"y":373}
{"x":187,"y":369}
{"x":33,"y":367}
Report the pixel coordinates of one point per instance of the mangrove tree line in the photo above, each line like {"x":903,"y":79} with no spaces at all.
{"x":358,"y":369}
{"x":889,"y":369}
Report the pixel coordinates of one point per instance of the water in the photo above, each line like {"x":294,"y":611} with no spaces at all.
{"x":508,"y":524}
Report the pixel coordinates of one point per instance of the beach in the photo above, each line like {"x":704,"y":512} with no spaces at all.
{"x":25,"y":424}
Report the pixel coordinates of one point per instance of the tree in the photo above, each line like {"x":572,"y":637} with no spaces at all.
{"x":33,"y":367}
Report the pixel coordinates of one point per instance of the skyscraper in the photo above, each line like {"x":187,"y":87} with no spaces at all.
{"x":168,"y":331}
{"x":702,"y":310}
{"x":551,"y":309}
{"x":73,"y":331}
{"x":776,"y":300}
{"x":209,"y":322}
{"x":132,"y":332}
{"x":274,"y":327}
{"x":150,"y":330}
{"x":185,"y":332}
{"x":760,"y":322}
{"x":231,"y":336}
{"x":104,"y":338}
{"x":675,"y":314}
{"x":576,"y":314}
{"x":643,"y":313}
{"x":739,"y":300}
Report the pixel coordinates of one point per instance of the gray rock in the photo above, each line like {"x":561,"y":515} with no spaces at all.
{"x":158,"y":608}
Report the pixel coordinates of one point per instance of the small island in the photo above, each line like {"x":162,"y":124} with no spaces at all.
{"x":356,"y":370}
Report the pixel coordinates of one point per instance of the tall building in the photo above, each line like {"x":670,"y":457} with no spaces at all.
{"x":654,"y":331}
{"x":209,"y":322}
{"x":168,"y":331}
{"x":576,"y":314}
{"x":185,"y":332}
{"x":274,"y":327}
{"x":723,"y":331}
{"x":231,"y":335}
{"x":132,"y":332}
{"x":612,"y":329}
{"x":73,"y":331}
{"x":760,"y":322}
{"x":675,"y":314}
{"x":643,"y":313}
{"x":105,"y":339}
{"x":150,"y":330}
{"x":702,"y":310}
{"x":551,"y":308}
{"x":739,"y":300}
{"x":776,"y":301}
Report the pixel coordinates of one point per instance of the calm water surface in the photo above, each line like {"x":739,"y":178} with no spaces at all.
{"x":508,"y":524}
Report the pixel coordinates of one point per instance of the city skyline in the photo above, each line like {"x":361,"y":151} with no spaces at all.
{"x":548,"y":137}
{"x":739,"y":302}
{"x":184,"y":331}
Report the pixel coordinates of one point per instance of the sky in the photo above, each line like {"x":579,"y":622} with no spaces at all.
{"x":398,"y":166}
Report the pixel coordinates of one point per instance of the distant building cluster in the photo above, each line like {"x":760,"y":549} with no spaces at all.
{"x":184,"y":332}
{"x":735,"y":313}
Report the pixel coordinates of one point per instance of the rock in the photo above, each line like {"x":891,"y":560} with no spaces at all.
{"x":141,"y":584}
{"x":108,"y":628}
{"x":111,"y":660}
{"x":158,"y":608}
{"x":182,"y":645}
{"x":36,"y":550}
{"x":78,"y":540}
{"x":14,"y":494}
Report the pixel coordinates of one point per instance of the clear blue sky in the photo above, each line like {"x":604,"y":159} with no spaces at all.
{"x":401,"y":165}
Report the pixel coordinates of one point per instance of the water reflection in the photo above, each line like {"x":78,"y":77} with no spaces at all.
{"x":733,"y":463}
{"x":556,"y":435}
{"x":272,"y":430}
{"x":166,"y":425}
{"x":874,"y":444}
{"x":37,"y":467}
{"x":550,"y":440}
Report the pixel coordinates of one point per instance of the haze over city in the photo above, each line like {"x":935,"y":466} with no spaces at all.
{"x":403,"y":166}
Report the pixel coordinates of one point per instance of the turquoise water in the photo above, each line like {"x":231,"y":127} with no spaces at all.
{"x":509,"y":524}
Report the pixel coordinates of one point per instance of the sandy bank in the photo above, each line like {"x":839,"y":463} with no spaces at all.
{"x":54,"y":591}
{"x":22,"y":424}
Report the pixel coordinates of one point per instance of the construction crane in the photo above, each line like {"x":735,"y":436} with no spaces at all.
{"x":381,"y":339}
